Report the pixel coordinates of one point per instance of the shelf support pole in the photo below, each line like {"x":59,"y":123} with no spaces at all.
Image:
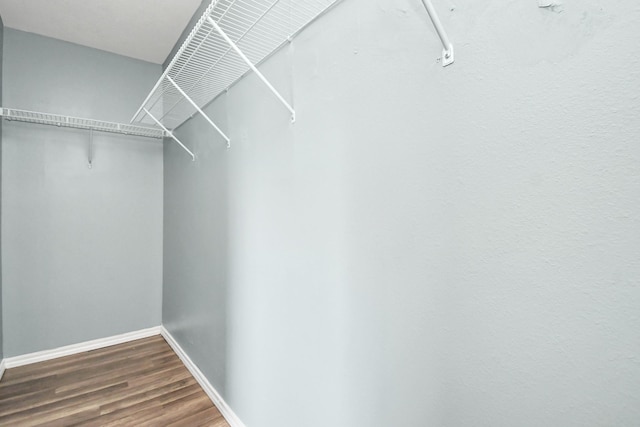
{"x":179,"y":89}
{"x":253,"y":67}
{"x":447,"y":47}
{"x":90,"y":149}
{"x":193,"y":156}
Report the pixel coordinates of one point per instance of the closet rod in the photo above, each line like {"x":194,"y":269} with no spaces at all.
{"x":447,"y":47}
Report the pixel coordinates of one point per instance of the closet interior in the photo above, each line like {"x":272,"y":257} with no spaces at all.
{"x":260,"y":213}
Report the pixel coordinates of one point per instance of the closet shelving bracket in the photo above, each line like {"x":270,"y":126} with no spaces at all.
{"x":254,"y":68}
{"x":447,"y":47}
{"x":207,"y":118}
{"x":90,"y":149}
{"x":231,"y":39}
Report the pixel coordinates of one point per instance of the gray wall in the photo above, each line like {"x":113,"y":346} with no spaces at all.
{"x":425,"y":246}
{"x":82,"y":248}
{"x":1,"y":50}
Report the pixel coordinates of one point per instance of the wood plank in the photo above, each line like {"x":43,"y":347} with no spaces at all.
{"x":141,"y":411}
{"x":139,"y":383}
{"x":209,"y":417}
{"x":86,"y":357}
{"x":74,"y":364}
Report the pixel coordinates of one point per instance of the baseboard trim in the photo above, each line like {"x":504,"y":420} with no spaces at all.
{"x":41,"y":356}
{"x":215,"y":397}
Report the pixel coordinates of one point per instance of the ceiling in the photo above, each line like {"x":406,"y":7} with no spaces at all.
{"x":142,"y":29}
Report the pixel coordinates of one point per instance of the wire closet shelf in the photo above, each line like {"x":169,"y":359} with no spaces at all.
{"x":229,"y":40}
{"x":80,"y":123}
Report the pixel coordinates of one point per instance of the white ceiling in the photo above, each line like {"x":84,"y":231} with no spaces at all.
{"x":143,"y":29}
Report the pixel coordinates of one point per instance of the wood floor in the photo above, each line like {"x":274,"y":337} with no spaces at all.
{"x":140,"y":383}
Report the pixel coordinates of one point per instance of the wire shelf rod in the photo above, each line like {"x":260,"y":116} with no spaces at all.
{"x":447,"y":47}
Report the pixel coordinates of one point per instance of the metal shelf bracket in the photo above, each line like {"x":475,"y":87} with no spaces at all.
{"x":447,"y":47}
{"x":90,"y":149}
{"x":253,"y":68}
{"x":226,"y":138}
{"x":170,"y":134}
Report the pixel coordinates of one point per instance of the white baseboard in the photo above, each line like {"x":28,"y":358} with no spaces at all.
{"x":41,"y":356}
{"x":215,"y":397}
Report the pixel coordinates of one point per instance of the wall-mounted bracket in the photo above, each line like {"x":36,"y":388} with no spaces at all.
{"x":90,"y":149}
{"x":447,"y":47}
{"x":170,"y":134}
{"x":253,"y":67}
{"x":447,"y":56}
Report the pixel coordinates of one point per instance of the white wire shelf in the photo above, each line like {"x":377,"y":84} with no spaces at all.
{"x":230,"y":39}
{"x":79,"y":123}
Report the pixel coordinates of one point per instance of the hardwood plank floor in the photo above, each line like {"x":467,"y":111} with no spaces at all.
{"x":140,"y":383}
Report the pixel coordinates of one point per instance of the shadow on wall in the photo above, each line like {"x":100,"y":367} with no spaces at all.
{"x":196,"y":253}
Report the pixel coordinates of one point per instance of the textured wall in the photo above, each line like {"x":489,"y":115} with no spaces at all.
{"x":425,"y":246}
{"x":82,"y":248}
{"x":1,"y":50}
